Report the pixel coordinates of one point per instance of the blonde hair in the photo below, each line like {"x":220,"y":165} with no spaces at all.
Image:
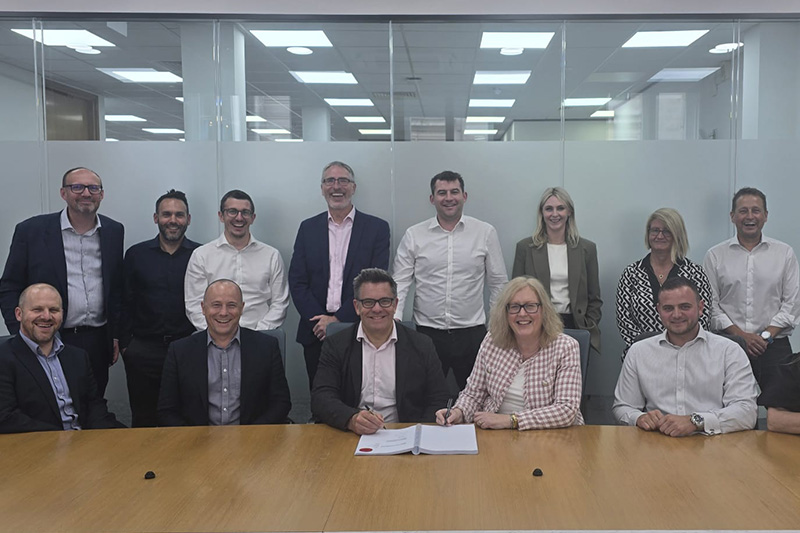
{"x":674,"y":223}
{"x":571,"y":227}
{"x":502,"y":334}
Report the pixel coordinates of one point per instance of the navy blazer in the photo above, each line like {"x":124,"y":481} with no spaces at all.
{"x":27,"y":401}
{"x":420,"y":386}
{"x":183,"y":400}
{"x":309,"y":270}
{"x":37,"y":256}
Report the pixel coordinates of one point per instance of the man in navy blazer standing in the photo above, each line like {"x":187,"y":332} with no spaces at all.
{"x":329,"y":252}
{"x":79,"y":253}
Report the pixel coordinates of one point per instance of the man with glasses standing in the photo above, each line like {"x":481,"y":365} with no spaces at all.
{"x":329,"y":251}
{"x":377,"y":371}
{"x":79,"y":253}
{"x":236,"y":255}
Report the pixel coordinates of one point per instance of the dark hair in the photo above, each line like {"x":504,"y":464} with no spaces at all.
{"x":676,"y":283}
{"x":373,"y":275}
{"x":748,"y":191}
{"x":236,"y":194}
{"x":342,"y":165}
{"x":70,"y":171}
{"x":174,"y":195}
{"x":447,"y":175}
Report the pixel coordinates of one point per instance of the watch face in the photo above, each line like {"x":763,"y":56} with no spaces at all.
{"x":696,"y":419}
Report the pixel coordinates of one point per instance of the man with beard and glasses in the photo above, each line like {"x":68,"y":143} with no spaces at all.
{"x":154,"y":303}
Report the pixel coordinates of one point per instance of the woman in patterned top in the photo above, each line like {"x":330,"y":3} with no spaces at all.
{"x":528,"y":373}
{"x":640,"y":283}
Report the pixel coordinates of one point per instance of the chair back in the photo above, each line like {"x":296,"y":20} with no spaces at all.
{"x":583,"y":337}
{"x":280,"y":335}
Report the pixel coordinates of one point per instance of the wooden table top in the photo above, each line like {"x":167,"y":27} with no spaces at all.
{"x":305,"y":478}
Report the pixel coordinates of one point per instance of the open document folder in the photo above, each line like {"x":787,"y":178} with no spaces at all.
{"x":438,"y":440}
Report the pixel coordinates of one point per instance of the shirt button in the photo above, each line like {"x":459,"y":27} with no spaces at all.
{"x":224,"y":369}
{"x":224,"y":389}
{"x":224,"y":408}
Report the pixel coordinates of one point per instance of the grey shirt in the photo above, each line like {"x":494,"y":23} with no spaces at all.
{"x":224,"y":382}
{"x":84,"y":275}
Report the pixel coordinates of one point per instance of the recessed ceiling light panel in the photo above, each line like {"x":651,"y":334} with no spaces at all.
{"x":375,"y":132}
{"x":585,"y":102}
{"x":663,"y":39}
{"x":254,"y":118}
{"x":510,"y":77}
{"x":284,"y":38}
{"x":349,"y":102}
{"x":375,"y":120}
{"x":725,"y":48}
{"x":683,"y":74}
{"x":602,"y":113}
{"x":160,"y":131}
{"x":480,"y":132}
{"x":486,"y":120}
{"x":271,"y":131}
{"x":71,"y":38}
{"x":141,"y":75}
{"x":511,"y":51}
{"x":516,"y":39}
{"x":491,"y":102}
{"x":300,"y":50}
{"x":338,"y":77}
{"x":124,"y":118}
{"x":288,"y":140}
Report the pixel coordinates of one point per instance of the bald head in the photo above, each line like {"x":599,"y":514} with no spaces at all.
{"x":37,"y":289}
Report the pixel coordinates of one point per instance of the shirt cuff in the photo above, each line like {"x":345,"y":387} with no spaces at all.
{"x":711,"y":424}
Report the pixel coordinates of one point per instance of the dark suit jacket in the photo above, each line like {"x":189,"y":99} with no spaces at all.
{"x":184,"y":382}
{"x":27,"y":401}
{"x":582,"y":277}
{"x":37,"y":256}
{"x":309,"y":270}
{"x":421,"y":388}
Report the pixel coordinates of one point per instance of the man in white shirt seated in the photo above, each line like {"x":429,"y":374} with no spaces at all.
{"x":377,"y":370}
{"x":450,"y":257}
{"x":685,"y":380}
{"x":236,"y":255}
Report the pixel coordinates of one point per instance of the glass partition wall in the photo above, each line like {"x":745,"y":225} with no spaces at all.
{"x":695,"y":110}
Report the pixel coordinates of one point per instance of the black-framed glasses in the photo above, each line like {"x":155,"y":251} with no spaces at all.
{"x":369,"y":303}
{"x":78,"y":188}
{"x":665,"y":232}
{"x":530,"y":308}
{"x":340,"y":181}
{"x":233,"y":212}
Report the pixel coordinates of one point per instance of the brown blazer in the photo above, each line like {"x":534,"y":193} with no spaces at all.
{"x":582,"y":276}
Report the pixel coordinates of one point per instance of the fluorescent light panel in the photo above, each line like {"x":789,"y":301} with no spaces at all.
{"x":480,"y":132}
{"x":489,"y":102}
{"x":71,"y":38}
{"x":683,"y":74}
{"x":254,"y":118}
{"x":141,"y":75}
{"x":509,"y":77}
{"x":179,"y":98}
{"x":485,"y":120}
{"x":585,"y":102}
{"x":285,"y":38}
{"x":124,"y":118}
{"x":663,"y":39}
{"x":162,"y":130}
{"x":376,"y":120}
{"x":602,"y":113}
{"x":324,"y":77}
{"x":349,"y":102}
{"x":288,"y":140}
{"x":375,"y":132}
{"x":516,"y":39}
{"x":270,"y":131}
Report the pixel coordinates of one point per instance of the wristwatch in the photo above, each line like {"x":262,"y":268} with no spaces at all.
{"x":767,"y":336}
{"x":697,"y":420}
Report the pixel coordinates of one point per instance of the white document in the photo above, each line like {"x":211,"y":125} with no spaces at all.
{"x":438,"y":440}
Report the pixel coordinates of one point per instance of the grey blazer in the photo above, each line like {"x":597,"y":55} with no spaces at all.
{"x":582,"y":277}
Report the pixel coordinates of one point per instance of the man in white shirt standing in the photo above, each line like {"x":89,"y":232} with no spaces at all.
{"x":755,"y":284}
{"x":236,"y":255}
{"x":450,"y":257}
{"x":685,"y":380}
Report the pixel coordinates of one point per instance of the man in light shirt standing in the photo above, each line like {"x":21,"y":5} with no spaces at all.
{"x":330,"y":250}
{"x":755,"y":285}
{"x":450,"y":257}
{"x":685,"y":380}
{"x":236,"y":255}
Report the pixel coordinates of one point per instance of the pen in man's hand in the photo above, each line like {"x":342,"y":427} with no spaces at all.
{"x":447,"y":413}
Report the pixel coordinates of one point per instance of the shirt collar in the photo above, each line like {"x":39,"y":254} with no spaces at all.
{"x":351,"y":215}
{"x":156,"y":243}
{"x":57,"y":345}
{"x":362,"y":337}
{"x":66,"y":224}
{"x":222,"y":241}
{"x":236,"y":338}
{"x":434,"y":223}
{"x":701,"y":334}
{"x":734,"y":241}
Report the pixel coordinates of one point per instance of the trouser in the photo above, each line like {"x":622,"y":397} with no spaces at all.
{"x":97,"y":342}
{"x":457,"y":349}
{"x":766,"y":366}
{"x":144,"y":362}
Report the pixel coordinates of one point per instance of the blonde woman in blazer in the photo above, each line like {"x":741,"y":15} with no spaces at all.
{"x":579,"y":302}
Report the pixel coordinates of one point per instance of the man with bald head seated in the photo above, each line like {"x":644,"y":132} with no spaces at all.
{"x":46,"y":385}
{"x":226,"y":374}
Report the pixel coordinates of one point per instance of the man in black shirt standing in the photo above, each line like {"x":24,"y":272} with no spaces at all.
{"x":154,"y":303}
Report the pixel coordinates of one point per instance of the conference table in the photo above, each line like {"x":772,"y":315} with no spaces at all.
{"x":306,"y":478}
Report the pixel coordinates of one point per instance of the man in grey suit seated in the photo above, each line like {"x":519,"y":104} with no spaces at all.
{"x":226,"y":374}
{"x":377,"y":370}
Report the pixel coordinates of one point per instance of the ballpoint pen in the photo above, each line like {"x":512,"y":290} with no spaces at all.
{"x":447,"y":413}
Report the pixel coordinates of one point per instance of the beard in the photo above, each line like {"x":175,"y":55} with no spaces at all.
{"x":171,"y":236}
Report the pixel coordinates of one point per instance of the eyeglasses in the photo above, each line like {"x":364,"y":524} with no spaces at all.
{"x":369,"y":303}
{"x":531,"y":308}
{"x":665,"y":232}
{"x":340,"y":181}
{"x":78,"y":188}
{"x":233,"y":212}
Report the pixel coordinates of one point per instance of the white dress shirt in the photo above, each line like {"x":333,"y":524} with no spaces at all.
{"x":709,"y":375}
{"x":754,"y":289}
{"x":450,"y":269}
{"x":338,"y":246}
{"x":378,"y":376}
{"x":257,"y":269}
